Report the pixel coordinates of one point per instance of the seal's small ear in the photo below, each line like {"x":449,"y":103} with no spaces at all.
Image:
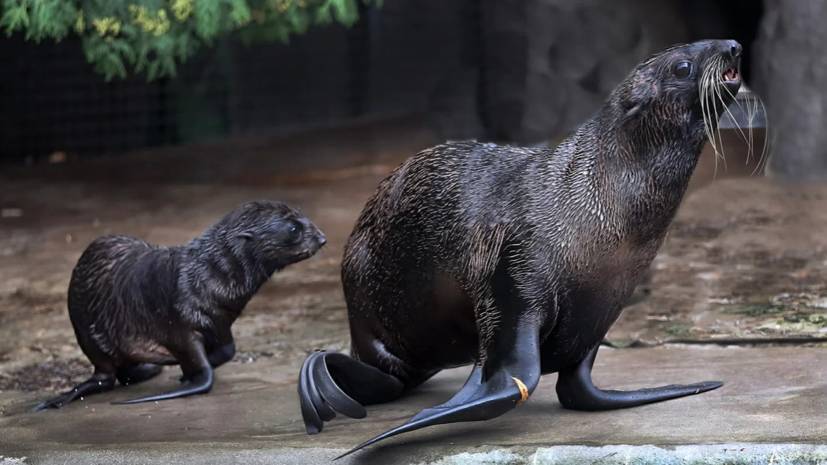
{"x":246,"y":235}
{"x":642,"y":91}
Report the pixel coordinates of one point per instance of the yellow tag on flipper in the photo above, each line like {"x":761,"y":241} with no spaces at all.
{"x":523,"y":390}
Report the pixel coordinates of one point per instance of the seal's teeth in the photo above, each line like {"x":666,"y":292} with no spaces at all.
{"x":730,"y":74}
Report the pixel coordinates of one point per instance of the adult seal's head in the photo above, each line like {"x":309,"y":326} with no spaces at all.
{"x":684,"y":88}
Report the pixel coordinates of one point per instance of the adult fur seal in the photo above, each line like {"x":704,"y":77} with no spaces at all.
{"x":518,"y":260}
{"x":135,"y":306}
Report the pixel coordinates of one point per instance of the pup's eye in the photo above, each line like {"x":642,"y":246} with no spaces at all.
{"x":682,"y":69}
{"x":294,"y":230}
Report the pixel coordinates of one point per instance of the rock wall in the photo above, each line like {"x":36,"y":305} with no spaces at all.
{"x":521,"y":71}
{"x":791,"y":75}
{"x":549,"y":64}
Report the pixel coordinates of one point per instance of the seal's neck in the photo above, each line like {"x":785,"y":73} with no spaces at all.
{"x":224,"y":272}
{"x":642,"y":168}
{"x":663,"y":144}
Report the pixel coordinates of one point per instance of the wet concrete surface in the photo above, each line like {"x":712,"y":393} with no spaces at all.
{"x":745,"y":260}
{"x":771,"y":395}
{"x":737,"y":293}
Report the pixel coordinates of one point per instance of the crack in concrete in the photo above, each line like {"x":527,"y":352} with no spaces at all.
{"x":746,"y":342}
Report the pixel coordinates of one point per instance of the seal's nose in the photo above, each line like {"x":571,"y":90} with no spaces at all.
{"x":734,"y":48}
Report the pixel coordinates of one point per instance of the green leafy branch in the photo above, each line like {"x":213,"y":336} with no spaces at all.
{"x":152,"y":37}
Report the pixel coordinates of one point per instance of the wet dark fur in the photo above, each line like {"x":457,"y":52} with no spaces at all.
{"x":518,"y":260}
{"x":133,"y":303}
{"x":464,"y":230}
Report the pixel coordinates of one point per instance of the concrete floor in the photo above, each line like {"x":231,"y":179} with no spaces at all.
{"x":738,"y":293}
{"x":774,"y":395}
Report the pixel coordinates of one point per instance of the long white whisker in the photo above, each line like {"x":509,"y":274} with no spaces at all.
{"x":750,"y":115}
{"x":765,"y":149}
{"x":720,"y":99}
{"x":706,"y":83}
{"x":715,"y":89}
{"x":751,"y":112}
{"x":729,"y":113}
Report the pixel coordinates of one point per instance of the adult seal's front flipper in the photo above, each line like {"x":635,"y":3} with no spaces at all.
{"x":577,"y":392}
{"x":507,"y":379}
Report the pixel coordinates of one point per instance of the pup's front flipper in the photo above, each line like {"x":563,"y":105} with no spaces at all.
{"x":577,"y":392}
{"x":137,"y":373}
{"x":509,"y":375}
{"x":198,"y":374}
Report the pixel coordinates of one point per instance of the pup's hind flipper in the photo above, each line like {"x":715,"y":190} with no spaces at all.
{"x":99,"y":382}
{"x":137,"y":373}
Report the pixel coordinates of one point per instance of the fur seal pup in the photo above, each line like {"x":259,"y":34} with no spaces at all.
{"x":135,"y":306}
{"x":518,"y":260}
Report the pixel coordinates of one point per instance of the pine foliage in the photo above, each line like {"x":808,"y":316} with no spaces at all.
{"x":151,"y":37}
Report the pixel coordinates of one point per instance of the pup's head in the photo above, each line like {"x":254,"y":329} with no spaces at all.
{"x":271,"y":232}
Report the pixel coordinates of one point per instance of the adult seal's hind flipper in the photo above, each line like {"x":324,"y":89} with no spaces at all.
{"x":509,"y":375}
{"x":321,"y":394}
{"x":576,"y":390}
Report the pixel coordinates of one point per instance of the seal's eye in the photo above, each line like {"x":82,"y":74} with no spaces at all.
{"x":294,"y":231}
{"x":682,"y":69}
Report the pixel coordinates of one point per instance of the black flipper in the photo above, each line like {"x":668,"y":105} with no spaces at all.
{"x":507,"y":378}
{"x":198,"y":375}
{"x":330,"y":382}
{"x":221,"y":355}
{"x":577,"y":392}
{"x":99,"y":382}
{"x":200,"y":383}
{"x":137,"y":373}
